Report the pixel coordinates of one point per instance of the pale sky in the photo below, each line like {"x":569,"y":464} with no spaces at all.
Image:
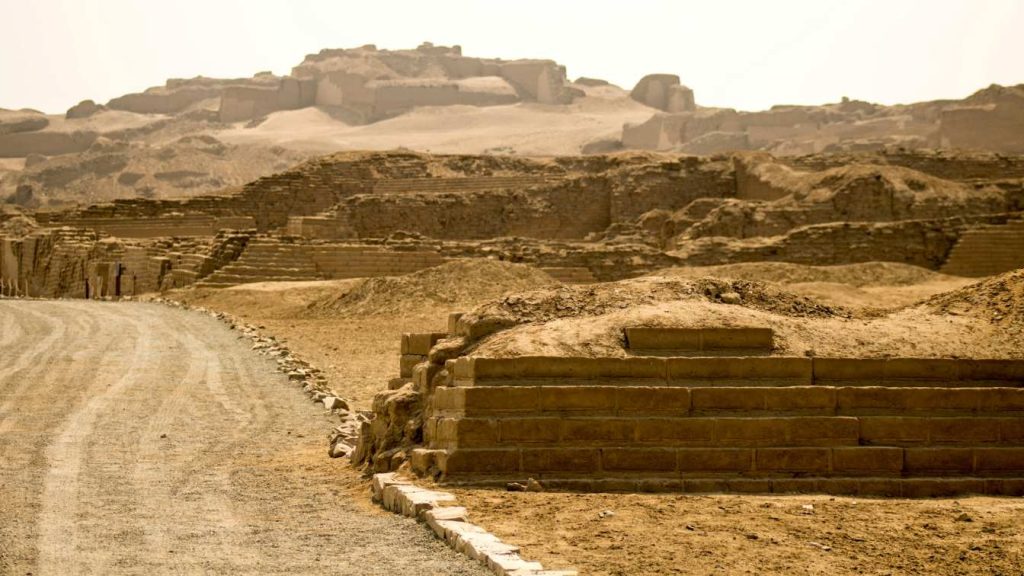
{"x":746,"y":54}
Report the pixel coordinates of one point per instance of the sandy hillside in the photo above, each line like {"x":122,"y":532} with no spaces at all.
{"x":352,"y":328}
{"x":868,"y":285}
{"x":525,"y":128}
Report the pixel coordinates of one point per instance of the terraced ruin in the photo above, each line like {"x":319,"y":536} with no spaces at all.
{"x":581,"y":310}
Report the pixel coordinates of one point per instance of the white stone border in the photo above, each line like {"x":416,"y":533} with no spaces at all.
{"x":440,"y":512}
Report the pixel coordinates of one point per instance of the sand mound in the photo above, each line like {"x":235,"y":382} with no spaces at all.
{"x":18,"y":227}
{"x":999,"y":299}
{"x":457,"y":283}
{"x":588,"y":321}
{"x":595,"y":299}
{"x":859,"y":275}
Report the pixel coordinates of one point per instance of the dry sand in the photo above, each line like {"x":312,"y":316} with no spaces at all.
{"x":527,"y":128}
{"x":685,"y":534}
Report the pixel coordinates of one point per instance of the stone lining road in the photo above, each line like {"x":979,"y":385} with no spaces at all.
{"x":141,"y":439}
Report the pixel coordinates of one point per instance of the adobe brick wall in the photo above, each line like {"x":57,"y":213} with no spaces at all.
{"x":903,"y":426}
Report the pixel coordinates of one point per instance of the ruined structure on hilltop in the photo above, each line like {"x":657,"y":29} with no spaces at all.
{"x":583,"y":217}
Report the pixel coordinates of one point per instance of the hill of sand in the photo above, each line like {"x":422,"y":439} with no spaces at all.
{"x":588,"y":321}
{"x":999,"y":300}
{"x":867,"y":285}
{"x":529,"y":129}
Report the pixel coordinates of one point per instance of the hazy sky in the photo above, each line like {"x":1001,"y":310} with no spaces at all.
{"x":745,"y":54}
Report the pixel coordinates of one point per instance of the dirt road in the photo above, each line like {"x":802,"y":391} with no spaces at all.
{"x":138,"y":439}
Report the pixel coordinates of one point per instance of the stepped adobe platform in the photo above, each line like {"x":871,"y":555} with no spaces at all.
{"x":894,"y":427}
{"x":987,"y":250}
{"x":274,"y":260}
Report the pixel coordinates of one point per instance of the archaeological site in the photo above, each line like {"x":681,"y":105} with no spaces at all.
{"x":415,"y":311}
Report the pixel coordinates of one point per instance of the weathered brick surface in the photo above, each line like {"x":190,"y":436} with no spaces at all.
{"x":897,"y":427}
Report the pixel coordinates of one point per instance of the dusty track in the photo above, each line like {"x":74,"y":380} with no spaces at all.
{"x":141,"y":439}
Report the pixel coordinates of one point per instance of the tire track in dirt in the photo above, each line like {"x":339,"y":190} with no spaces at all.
{"x":149,"y":439}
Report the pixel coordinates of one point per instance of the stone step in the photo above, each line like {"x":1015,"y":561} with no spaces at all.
{"x":734,"y":371}
{"x":627,"y":401}
{"x":647,"y":429}
{"x":766,"y":463}
{"x":922,"y":487}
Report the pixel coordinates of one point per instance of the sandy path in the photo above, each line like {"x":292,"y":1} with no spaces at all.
{"x":140,"y":439}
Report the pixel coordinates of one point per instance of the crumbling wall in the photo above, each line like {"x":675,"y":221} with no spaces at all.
{"x":568,"y":210}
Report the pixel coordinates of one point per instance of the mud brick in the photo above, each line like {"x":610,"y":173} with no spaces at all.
{"x":1011,"y":430}
{"x":872,"y":398}
{"x":705,"y":485}
{"x":933,"y":460}
{"x":766,"y":368}
{"x":999,"y":460}
{"x":526,"y":430}
{"x":1001,"y":400}
{"x":727,"y":399}
{"x":638,"y":459}
{"x":728,"y":338}
{"x":469,"y":462}
{"x":715,"y":459}
{"x":920,"y":369}
{"x":407,"y":362}
{"x":1008,"y":370}
{"x":795,"y":485}
{"x":941,"y":487}
{"x":849,"y":369}
{"x":583,"y":460}
{"x":963,"y":430}
{"x":501,"y":399}
{"x":659,"y":485}
{"x":750,"y":431}
{"x":867,"y":460}
{"x":676,"y":430}
{"x":647,"y":400}
{"x":803,"y":460}
{"x":577,"y":398}
{"x":893,"y":430}
{"x":749,"y":485}
{"x":819,"y":399}
{"x":823,"y":431}
{"x":599,"y":430}
{"x":421,"y":343}
{"x":473,"y":433}
{"x":663,"y":338}
{"x":483,"y":368}
{"x":1004,"y":486}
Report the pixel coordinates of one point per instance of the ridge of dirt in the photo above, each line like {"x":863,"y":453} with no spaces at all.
{"x":999,"y":299}
{"x":458,"y":282}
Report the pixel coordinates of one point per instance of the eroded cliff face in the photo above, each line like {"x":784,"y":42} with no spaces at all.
{"x":990,"y":120}
{"x":600,"y":216}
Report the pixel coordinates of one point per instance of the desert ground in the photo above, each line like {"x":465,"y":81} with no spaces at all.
{"x":612,"y":330}
{"x":156,"y":441}
{"x":648,"y":534}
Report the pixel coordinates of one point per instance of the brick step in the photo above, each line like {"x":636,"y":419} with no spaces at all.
{"x":262,"y":260}
{"x":734,"y":371}
{"x":924,"y":487}
{"x":724,"y":431}
{"x":229,"y":279}
{"x":245,"y":267}
{"x":760,"y":463}
{"x":747,"y":401}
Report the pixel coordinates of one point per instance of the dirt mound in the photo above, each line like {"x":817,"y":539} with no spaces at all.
{"x":595,"y":299}
{"x":457,"y":283}
{"x":18,"y":226}
{"x":999,"y":299}
{"x":859,"y":275}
